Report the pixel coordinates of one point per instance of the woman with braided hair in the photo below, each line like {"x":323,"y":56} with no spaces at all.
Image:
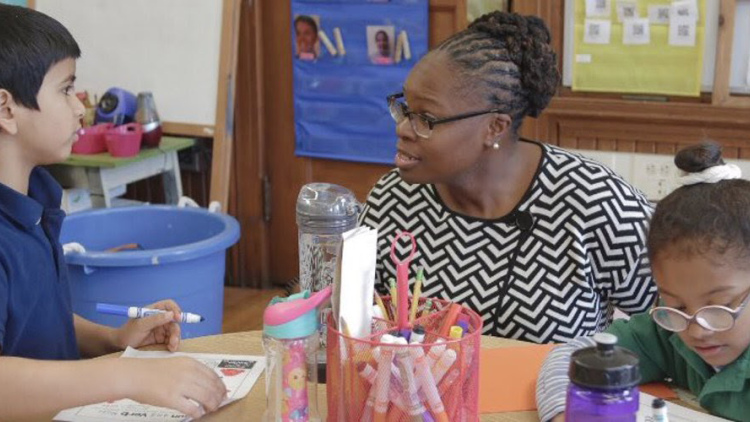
{"x":541,"y":242}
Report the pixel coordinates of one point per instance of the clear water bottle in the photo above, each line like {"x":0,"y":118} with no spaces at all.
{"x":324,"y":212}
{"x":603,"y":383}
{"x":290,"y":341}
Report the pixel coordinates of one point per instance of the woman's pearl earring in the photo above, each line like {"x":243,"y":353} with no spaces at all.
{"x":496,"y":146}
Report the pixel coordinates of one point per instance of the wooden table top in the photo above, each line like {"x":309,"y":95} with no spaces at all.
{"x":252,"y":406}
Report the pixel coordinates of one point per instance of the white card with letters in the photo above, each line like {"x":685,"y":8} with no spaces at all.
{"x":636,"y":32}
{"x":597,"y":31}
{"x":627,"y":9}
{"x":685,"y":9}
{"x":682,"y":31}
{"x":659,"y":14}
{"x":598,"y":8}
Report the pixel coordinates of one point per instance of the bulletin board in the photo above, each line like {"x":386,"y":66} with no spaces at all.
{"x":343,"y":76}
{"x":658,"y":66}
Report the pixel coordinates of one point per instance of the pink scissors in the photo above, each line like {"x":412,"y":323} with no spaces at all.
{"x":402,"y":280}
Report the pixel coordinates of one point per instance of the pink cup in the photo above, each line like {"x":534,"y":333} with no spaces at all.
{"x":125,"y":140}
{"x":91,"y":139}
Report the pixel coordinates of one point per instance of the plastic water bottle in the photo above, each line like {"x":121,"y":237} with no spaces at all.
{"x":604,"y":383}
{"x":324,"y":212}
{"x":290,"y":341}
{"x":147,"y":116}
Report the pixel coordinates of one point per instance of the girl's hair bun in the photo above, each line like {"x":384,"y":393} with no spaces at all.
{"x":696,"y":158}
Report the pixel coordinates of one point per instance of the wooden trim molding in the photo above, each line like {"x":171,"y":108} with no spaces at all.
{"x":224,"y":130}
{"x":664,"y":113}
{"x":188,"y":129}
{"x":724,"y":43}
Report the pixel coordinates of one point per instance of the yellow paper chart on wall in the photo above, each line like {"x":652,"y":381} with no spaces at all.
{"x":653,"y":68}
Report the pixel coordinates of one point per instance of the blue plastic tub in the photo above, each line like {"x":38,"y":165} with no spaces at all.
{"x":183,"y":258}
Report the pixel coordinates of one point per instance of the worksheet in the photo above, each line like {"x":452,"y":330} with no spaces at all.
{"x":238,"y":372}
{"x":675,"y":412}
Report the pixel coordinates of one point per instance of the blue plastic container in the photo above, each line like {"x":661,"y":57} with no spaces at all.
{"x":183,"y":259}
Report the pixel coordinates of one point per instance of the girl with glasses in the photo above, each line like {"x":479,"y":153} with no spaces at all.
{"x":541,"y":242}
{"x":698,"y":333}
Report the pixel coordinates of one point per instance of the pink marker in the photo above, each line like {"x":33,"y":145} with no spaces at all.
{"x":416,"y":409}
{"x":428,"y":384}
{"x":394,"y":393}
{"x":444,"y":364}
{"x":383,"y":379}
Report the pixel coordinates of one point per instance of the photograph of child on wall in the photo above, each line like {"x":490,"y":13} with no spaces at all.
{"x":306,"y":37}
{"x":380,"y":44}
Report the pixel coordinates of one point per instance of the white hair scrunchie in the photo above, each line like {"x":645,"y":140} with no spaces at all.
{"x":712,"y":175}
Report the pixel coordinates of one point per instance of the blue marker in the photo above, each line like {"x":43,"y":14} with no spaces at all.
{"x":136,"y":312}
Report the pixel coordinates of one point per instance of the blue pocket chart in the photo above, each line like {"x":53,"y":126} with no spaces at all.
{"x":15,"y":2}
{"x":340,"y":109}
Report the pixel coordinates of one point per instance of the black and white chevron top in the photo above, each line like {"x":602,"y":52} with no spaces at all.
{"x":559,"y":279}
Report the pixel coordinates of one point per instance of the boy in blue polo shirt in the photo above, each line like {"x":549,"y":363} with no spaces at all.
{"x":41,"y":339}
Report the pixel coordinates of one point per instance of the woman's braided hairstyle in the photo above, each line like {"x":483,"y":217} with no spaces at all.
{"x":507,"y":57}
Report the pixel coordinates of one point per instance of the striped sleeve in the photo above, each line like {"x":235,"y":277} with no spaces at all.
{"x":552,"y":384}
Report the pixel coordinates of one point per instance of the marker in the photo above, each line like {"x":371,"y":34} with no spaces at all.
{"x":456,"y":332}
{"x":428,"y":384}
{"x":415,"y":406}
{"x":659,"y":409}
{"x":450,"y":319}
{"x":417,"y":335}
{"x":137,"y":312}
{"x":382,"y":380}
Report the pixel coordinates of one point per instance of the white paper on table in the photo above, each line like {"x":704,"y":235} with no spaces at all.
{"x":598,"y":8}
{"x":675,"y":412}
{"x":357,"y":290}
{"x":627,"y":9}
{"x":239,"y":373}
{"x":636,"y":31}
{"x":682,"y":31}
{"x":597,"y":31}
{"x":659,"y":14}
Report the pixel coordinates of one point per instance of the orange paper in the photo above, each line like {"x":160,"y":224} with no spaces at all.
{"x":507,"y":379}
{"x":658,"y":389}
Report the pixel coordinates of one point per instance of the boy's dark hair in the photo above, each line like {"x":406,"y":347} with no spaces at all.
{"x":308,"y":20}
{"x":511,"y":60}
{"x":704,"y":218}
{"x":30,"y":43}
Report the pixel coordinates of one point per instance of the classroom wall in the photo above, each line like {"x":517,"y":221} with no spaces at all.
{"x":608,"y":122}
